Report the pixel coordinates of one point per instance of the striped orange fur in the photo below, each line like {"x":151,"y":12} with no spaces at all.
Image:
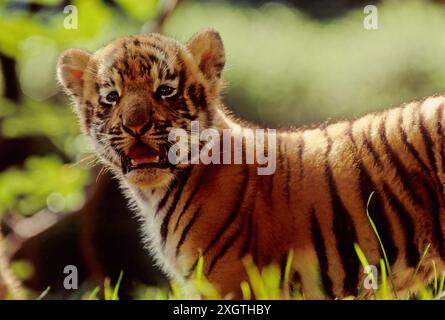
{"x":136,"y":89}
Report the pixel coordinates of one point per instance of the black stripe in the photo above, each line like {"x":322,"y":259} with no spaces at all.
{"x":161,"y":70}
{"x":409,"y":146}
{"x":181,"y":81}
{"x":268,"y":194}
{"x":344,"y":230}
{"x":441,"y":134}
{"x":226,"y":246}
{"x":249,"y":235}
{"x":202,"y":98}
{"x":320,"y":249}
{"x":121,"y":75}
{"x":116,"y":139}
{"x":377,"y":213}
{"x":197,"y":96}
{"x":170,"y":75}
{"x":248,"y":241}
{"x":411,"y":250}
{"x":195,"y":191}
{"x":401,"y":171}
{"x":369,"y":146}
{"x":150,"y":57}
{"x":376,"y":207}
{"x":186,"y":231}
{"x":433,"y":175}
{"x":167,"y":194}
{"x":268,"y":183}
{"x":127,"y":70}
{"x":183,"y":177}
{"x":300,"y":158}
{"x":191,"y":92}
{"x":428,"y":141}
{"x":89,"y":109}
{"x":284,"y":161}
{"x":435,"y":201}
{"x":233,"y":214}
{"x":229,"y":220}
{"x":430,"y":187}
{"x":434,"y":208}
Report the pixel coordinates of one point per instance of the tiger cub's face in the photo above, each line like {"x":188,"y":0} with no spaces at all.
{"x":130,"y":94}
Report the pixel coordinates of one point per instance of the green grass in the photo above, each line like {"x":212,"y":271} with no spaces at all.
{"x":265,"y":284}
{"x":109,"y":291}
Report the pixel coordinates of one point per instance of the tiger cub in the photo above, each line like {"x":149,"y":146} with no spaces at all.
{"x":131,"y":94}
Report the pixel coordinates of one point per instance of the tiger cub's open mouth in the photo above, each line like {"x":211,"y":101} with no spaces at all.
{"x":143,"y":156}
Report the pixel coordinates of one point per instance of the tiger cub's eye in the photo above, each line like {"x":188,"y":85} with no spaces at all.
{"x":113,"y":96}
{"x":164,"y":90}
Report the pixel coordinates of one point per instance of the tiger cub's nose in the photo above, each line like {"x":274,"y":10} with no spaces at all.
{"x":136,"y":122}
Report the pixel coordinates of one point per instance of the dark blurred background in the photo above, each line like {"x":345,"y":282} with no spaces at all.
{"x":288,"y":63}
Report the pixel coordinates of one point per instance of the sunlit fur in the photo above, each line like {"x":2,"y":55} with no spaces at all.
{"x":316,"y":201}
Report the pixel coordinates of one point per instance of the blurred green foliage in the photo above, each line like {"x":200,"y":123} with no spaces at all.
{"x":97,"y":23}
{"x":42,"y":181}
{"x":286,"y":69}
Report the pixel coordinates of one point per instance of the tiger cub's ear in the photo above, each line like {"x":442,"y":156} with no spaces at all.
{"x":70,"y":70}
{"x":208,"y":51}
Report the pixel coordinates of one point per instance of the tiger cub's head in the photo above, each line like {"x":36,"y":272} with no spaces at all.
{"x":131,"y":93}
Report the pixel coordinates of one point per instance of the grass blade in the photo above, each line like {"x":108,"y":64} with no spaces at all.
{"x":245,"y":289}
{"x":436,"y":280}
{"x":388,"y":267}
{"x":364,"y":262}
{"x":442,"y":282}
{"x":287,"y":270}
{"x":255,"y":279}
{"x":115,"y":296}
{"x":425,"y":252}
{"x":384,"y":286}
{"x":93,"y":294}
{"x":199,"y":269}
{"x":43,"y":294}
